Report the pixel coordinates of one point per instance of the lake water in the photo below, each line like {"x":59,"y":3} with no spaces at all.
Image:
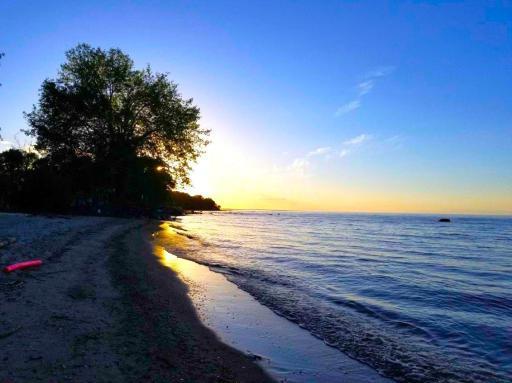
{"x":416,"y":299}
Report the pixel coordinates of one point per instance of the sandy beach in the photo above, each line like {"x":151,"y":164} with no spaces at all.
{"x":102,"y":308}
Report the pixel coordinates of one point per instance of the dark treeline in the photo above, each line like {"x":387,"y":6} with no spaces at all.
{"x":29,"y":183}
{"x":109,"y":139}
{"x":196,"y":202}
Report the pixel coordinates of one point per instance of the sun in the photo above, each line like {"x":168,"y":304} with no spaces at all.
{"x":200,"y":180}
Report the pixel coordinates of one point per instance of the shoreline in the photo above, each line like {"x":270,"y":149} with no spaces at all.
{"x":101,"y":308}
{"x":287,"y":351}
{"x":160,"y":299}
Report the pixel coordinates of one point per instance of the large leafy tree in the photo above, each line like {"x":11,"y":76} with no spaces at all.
{"x":101,"y":108}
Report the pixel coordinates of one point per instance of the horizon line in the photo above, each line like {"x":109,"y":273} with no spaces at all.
{"x":504,"y":214}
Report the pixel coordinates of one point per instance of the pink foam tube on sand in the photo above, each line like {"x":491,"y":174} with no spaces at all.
{"x":23,"y":265}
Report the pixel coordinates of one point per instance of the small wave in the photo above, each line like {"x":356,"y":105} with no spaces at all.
{"x":359,"y":307}
{"x":394,"y":292}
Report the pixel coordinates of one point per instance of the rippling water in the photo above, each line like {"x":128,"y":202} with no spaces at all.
{"x":419,"y":300}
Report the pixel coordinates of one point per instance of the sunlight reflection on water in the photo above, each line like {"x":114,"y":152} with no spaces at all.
{"x":288,"y":352}
{"x":415,"y":298}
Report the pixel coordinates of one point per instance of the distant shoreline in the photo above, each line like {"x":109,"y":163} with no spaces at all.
{"x":439,"y":215}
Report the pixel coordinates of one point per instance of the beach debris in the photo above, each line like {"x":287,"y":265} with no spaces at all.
{"x":6,"y":242}
{"x":253,"y":356}
{"x":444,"y":220}
{"x":23,"y":265}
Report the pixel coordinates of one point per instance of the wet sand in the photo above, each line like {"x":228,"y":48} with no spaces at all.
{"x":102,"y":308}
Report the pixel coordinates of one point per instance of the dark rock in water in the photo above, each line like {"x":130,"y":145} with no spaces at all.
{"x":254,"y":356}
{"x":444,"y":220}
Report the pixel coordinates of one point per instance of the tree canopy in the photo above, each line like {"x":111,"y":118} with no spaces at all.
{"x":196,"y":202}
{"x":108,"y":138}
{"x":102,"y":108}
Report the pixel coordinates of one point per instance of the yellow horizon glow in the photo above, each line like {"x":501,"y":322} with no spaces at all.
{"x":237,"y":180}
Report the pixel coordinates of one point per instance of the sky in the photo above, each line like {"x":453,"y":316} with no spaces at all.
{"x":313,"y":105}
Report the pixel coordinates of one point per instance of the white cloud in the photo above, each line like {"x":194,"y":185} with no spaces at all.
{"x":380,"y":72}
{"x":395,"y":138}
{"x":300,"y":166}
{"x":394,"y":142}
{"x":344,"y":153}
{"x":348,"y":107}
{"x":304,"y":165}
{"x":358,"y":140}
{"x":319,"y":152}
{"x":363,"y":88}
{"x":349,"y":145}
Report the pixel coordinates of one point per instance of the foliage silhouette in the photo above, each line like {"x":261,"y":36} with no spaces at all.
{"x":196,"y":202}
{"x":109,"y":138}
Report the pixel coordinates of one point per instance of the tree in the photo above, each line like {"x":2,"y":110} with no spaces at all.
{"x":197,"y":202}
{"x":15,"y":166}
{"x":101,"y":109}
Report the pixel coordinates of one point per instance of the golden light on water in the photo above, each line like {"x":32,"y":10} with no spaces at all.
{"x":183,"y":267}
{"x":167,"y":259}
{"x":168,"y":236}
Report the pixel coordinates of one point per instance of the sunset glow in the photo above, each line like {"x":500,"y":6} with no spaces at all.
{"x":256,"y":191}
{"x":332,"y":108}
{"x":237,"y":181}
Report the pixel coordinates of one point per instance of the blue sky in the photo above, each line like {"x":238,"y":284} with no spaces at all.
{"x":367,"y":106}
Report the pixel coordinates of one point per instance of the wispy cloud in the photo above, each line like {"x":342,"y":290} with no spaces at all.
{"x":305,"y":165}
{"x":344,"y":153}
{"x":300,"y":166}
{"x":395,"y":142}
{"x":380,"y":72}
{"x":319,"y":152}
{"x":348,"y":107}
{"x":363,"y":88}
{"x":349,"y":145}
{"x":357,"y":140}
